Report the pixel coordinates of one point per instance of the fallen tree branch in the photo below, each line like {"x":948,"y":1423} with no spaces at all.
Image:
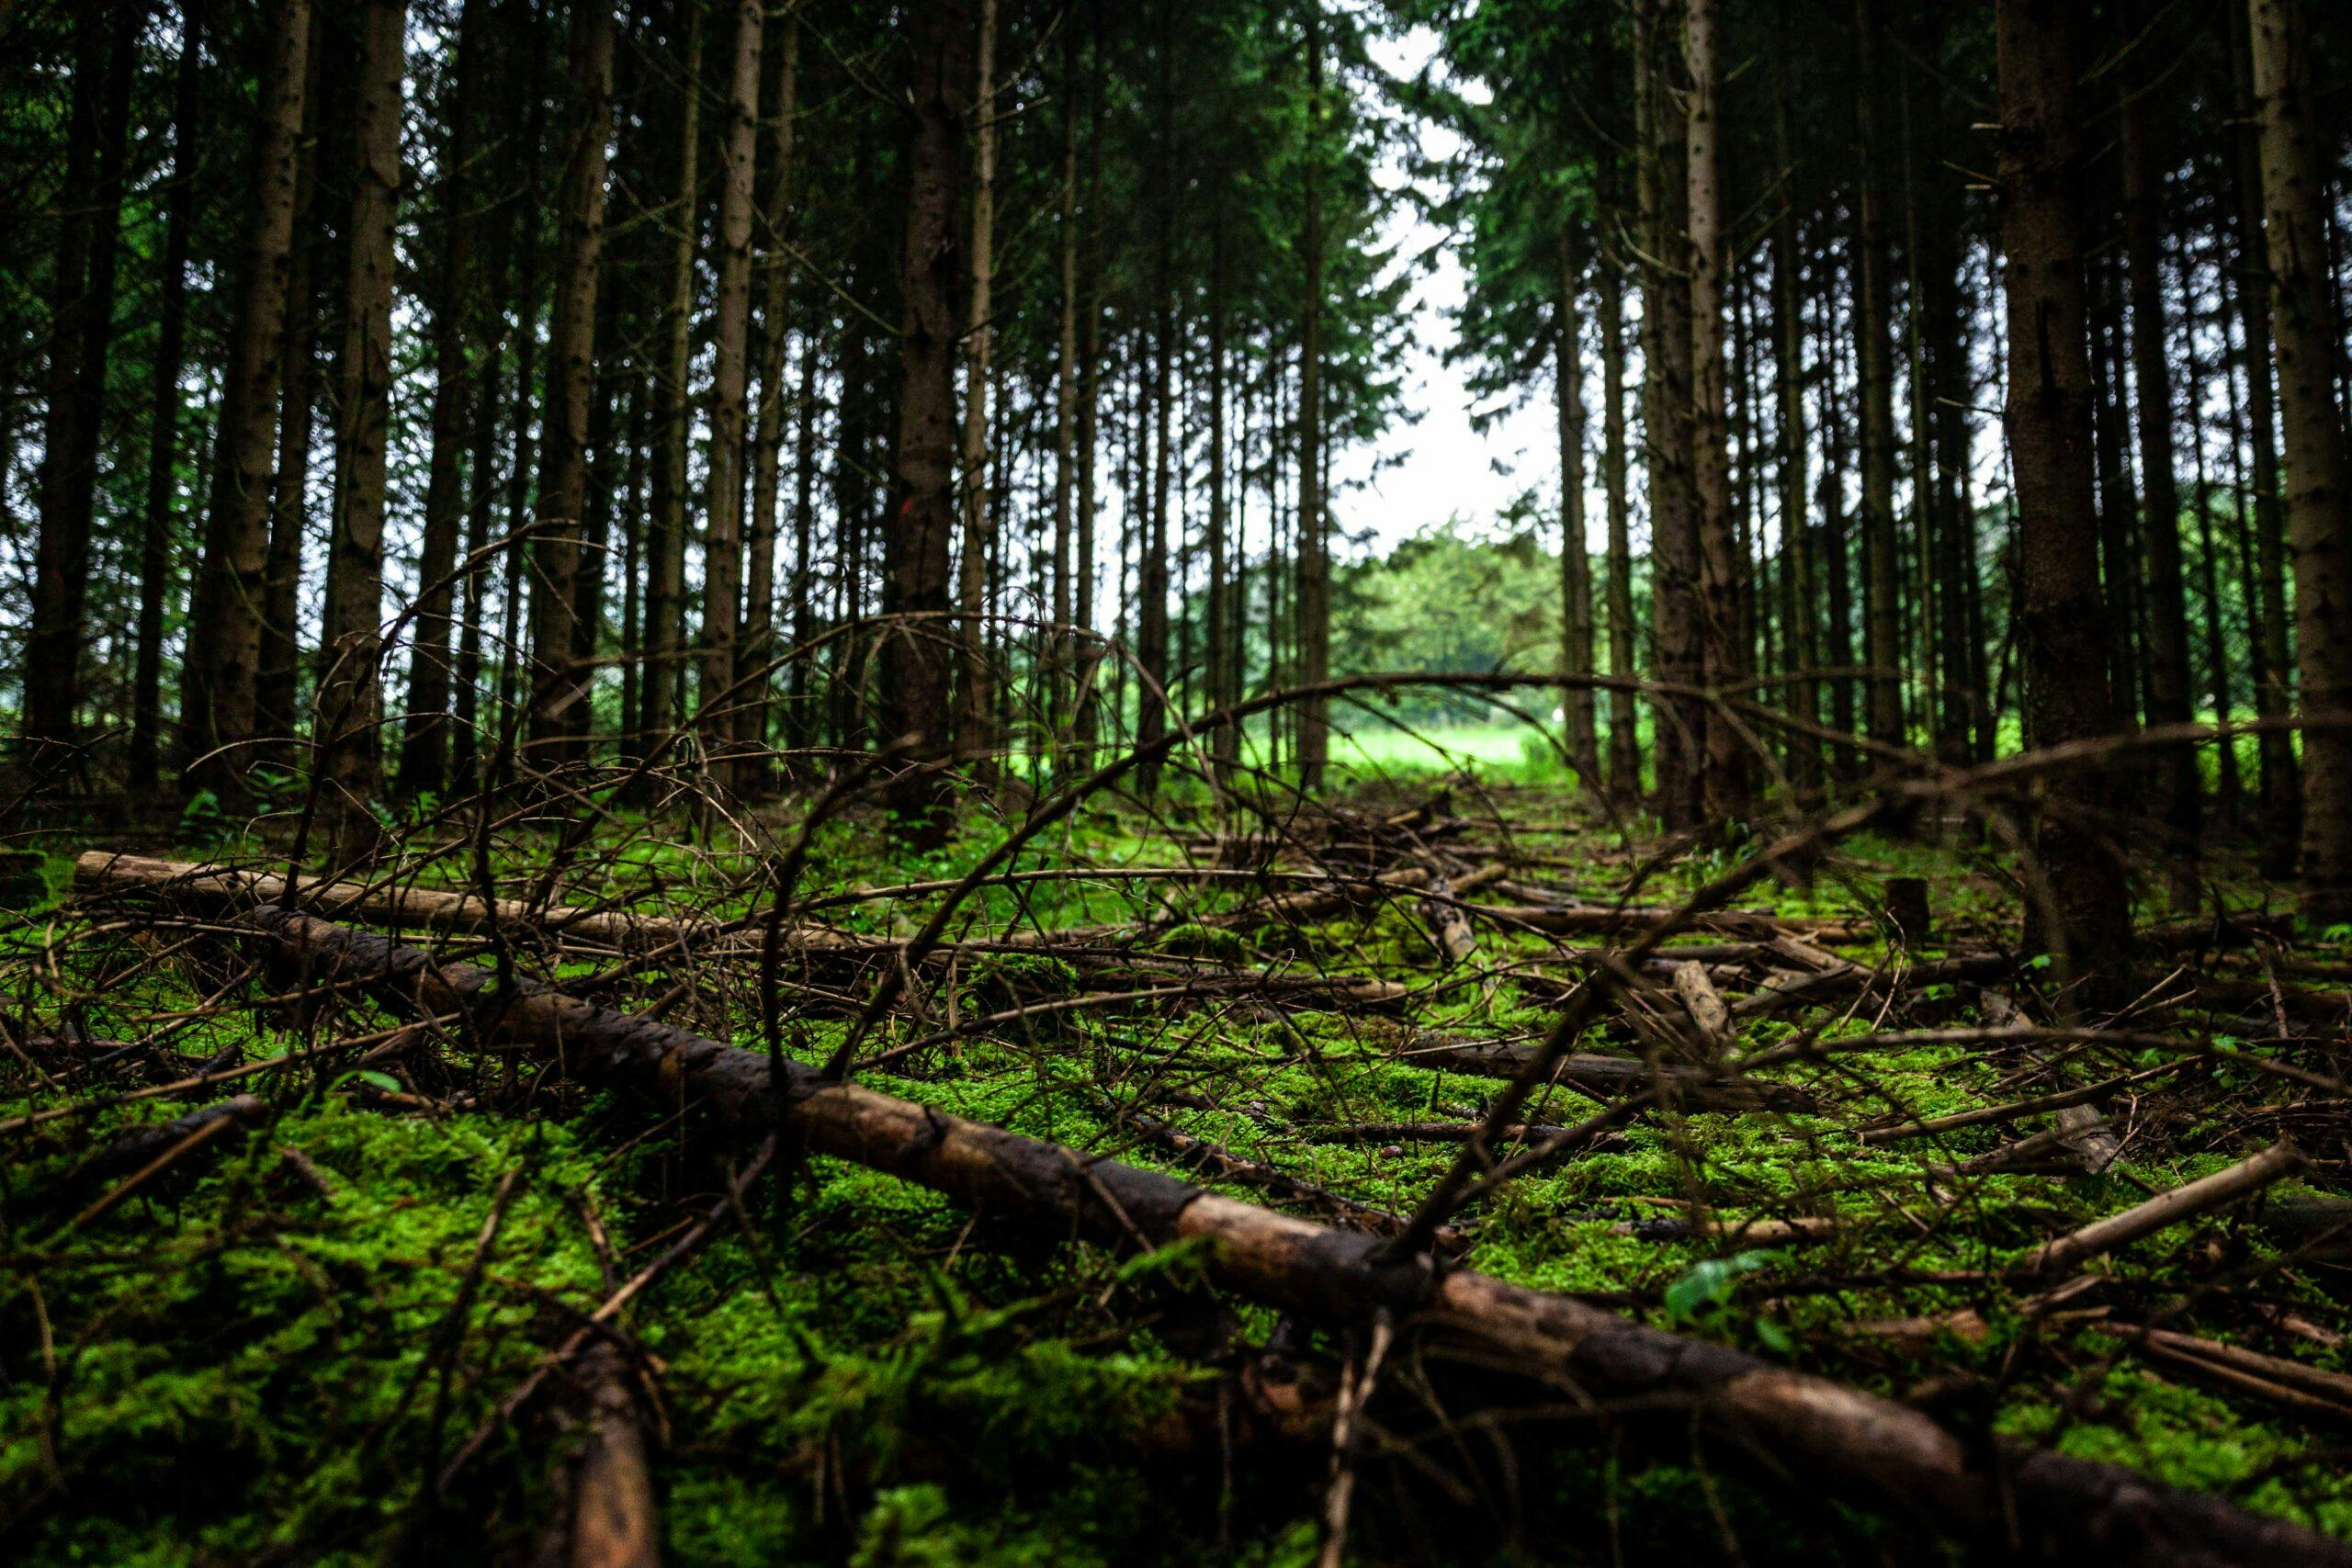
{"x":2168,"y":1207}
{"x":1853,"y":1443}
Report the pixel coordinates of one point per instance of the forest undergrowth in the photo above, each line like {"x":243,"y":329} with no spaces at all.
{"x":294,"y":1274}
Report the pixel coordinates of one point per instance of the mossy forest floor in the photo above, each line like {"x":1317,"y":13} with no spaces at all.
{"x":272,"y":1348}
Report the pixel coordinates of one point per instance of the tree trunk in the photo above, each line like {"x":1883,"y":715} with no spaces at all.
{"x":424,"y":744}
{"x":666,"y":545}
{"x":2168,"y":679}
{"x":217,"y":704}
{"x":757,"y":642}
{"x":1667,"y":406}
{"x":1313,"y":609}
{"x":559,"y":683}
{"x":1063,"y":648}
{"x":1723,"y":647}
{"x":917,"y":671}
{"x":2281,"y":787}
{"x":2080,"y":906}
{"x":2118,"y":504}
{"x":162,"y":433}
{"x":81,"y":331}
{"x":319,"y":270}
{"x":351,"y":693}
{"x":2294,"y":196}
{"x":1224,"y":626}
{"x":1800,"y":641}
{"x":1624,"y":714}
{"x":730,"y":369}
{"x":1873,"y":315}
{"x":1582,"y":737}
{"x":975,"y":747}
{"x":799,"y":727}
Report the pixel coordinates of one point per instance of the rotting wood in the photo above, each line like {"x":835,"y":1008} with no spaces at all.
{"x":1710,"y":1018}
{"x":2222,"y":1188}
{"x":1606,"y":1077}
{"x":2030,"y":1503}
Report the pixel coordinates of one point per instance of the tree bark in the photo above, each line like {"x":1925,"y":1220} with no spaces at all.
{"x":1676,"y":615}
{"x":2294,"y":197}
{"x":424,"y":739}
{"x":666,"y":544}
{"x":2282,"y":786}
{"x":162,"y":433}
{"x":2080,"y":905}
{"x":559,"y":683}
{"x":756,"y":643}
{"x":730,"y":369}
{"x":1313,"y":606}
{"x":917,"y":667}
{"x":81,"y":332}
{"x":975,"y":746}
{"x":351,"y":691}
{"x":1577,"y":704}
{"x":1723,"y":647}
{"x":218,"y":703}
{"x":2168,"y":679}
{"x":1874,"y":316}
{"x":1800,"y":641}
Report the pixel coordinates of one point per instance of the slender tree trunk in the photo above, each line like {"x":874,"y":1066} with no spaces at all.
{"x":917,"y":671}
{"x":974,"y":745}
{"x":351,"y":695}
{"x":1943,"y":415}
{"x":560,"y":682}
{"x":1152,"y":563}
{"x":1836,"y":554}
{"x":1576,"y":559}
{"x":1676,"y":587}
{"x":2281,"y":784}
{"x":1801,"y":641}
{"x":1625,"y":721}
{"x":163,"y":435}
{"x":2168,"y":679}
{"x":81,"y":331}
{"x":666,"y":545}
{"x":1722,"y":646}
{"x":723,"y":535}
{"x":2118,"y":504}
{"x":481,"y":518}
{"x":1224,"y":625}
{"x":218,"y":705}
{"x":319,"y":269}
{"x":2294,"y":196}
{"x":799,"y":727}
{"x":2229,"y":791}
{"x":1882,"y":622}
{"x":1314,"y":599}
{"x":425,"y":746}
{"x":757,"y":642}
{"x":1061,"y":648}
{"x":2079,"y":905}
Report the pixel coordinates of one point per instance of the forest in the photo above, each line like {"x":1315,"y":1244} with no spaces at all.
{"x":1273,"y":782}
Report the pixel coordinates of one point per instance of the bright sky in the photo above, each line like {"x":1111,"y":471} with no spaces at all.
{"x":1442,"y":468}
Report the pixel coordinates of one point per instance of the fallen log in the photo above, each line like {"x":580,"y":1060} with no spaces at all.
{"x":1611,"y":920}
{"x":2168,"y":1207}
{"x":1846,"y":1442}
{"x":384,"y":903}
{"x":1710,"y":1018}
{"x":1607,"y":1078}
{"x":607,"y":1519}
